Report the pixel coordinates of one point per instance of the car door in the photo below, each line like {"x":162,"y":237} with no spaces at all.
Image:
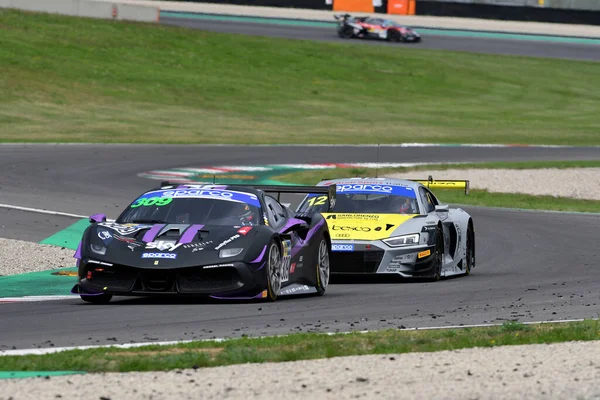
{"x":451,"y":230}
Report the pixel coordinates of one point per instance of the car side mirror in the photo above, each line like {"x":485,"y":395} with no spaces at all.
{"x":294,"y":224}
{"x":442,"y":208}
{"x":97,"y":218}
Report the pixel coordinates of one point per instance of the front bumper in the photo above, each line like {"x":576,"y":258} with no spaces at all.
{"x":366,"y":258}
{"x":227,"y":280}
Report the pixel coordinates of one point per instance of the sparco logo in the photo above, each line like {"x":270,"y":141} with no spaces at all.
{"x":196,"y":192}
{"x":365,"y":188}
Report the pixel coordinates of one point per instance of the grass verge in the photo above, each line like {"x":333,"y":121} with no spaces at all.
{"x":475,"y":197}
{"x":68,"y":79}
{"x":299,"y":347}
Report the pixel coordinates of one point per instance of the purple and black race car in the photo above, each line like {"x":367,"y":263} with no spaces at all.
{"x":221,"y":241}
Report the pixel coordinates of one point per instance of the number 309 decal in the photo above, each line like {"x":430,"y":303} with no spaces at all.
{"x":152,"y":201}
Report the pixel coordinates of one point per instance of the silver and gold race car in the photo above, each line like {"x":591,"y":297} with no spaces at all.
{"x":394,"y":226}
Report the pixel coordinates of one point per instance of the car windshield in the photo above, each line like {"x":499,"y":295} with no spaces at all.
{"x":365,"y":198}
{"x":194,"y":206}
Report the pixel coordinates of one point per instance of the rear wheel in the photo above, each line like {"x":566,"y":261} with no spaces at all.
{"x":322,"y":267}
{"x":99,"y":299}
{"x":273,"y":271}
{"x":394,"y":36}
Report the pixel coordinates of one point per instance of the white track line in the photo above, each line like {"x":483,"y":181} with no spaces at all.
{"x":42,"y":211}
{"x":50,"y":212}
{"x":26,"y":299}
{"x":22,"y":352}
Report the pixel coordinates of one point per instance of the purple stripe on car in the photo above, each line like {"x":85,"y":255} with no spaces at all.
{"x":309,"y":235}
{"x":77,"y":254}
{"x":151,"y":233}
{"x":290,"y":222}
{"x":262,"y":254}
{"x":190,"y":233}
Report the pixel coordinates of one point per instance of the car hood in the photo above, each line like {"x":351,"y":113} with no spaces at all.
{"x":364,"y":226}
{"x":168,"y":245}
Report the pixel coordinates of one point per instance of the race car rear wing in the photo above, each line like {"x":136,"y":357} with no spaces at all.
{"x":430,"y":183}
{"x":330,"y":191}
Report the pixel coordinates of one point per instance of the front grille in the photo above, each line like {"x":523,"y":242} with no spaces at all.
{"x":121,"y":278}
{"x":198,"y":280}
{"x":157,"y":280}
{"x":356,"y":262}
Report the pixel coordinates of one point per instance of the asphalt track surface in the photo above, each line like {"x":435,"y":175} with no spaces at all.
{"x":531,"y":266}
{"x":528,"y":48}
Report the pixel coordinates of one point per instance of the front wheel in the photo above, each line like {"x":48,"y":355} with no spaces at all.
{"x":346,"y":32}
{"x":470,"y":250}
{"x":323,"y":268}
{"x":274,"y":262}
{"x":438,"y":255}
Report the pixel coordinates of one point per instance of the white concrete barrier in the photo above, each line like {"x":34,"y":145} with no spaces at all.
{"x":88,"y":8}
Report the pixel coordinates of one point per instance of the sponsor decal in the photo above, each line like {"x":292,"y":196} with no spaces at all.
{"x":428,"y":228}
{"x":374,"y":217}
{"x":126,"y":229}
{"x":197,"y":245}
{"x":286,"y":246}
{"x":424,"y":253}
{"x":292,"y":268}
{"x":217,"y":266}
{"x":125,"y":239}
{"x":364,"y":188}
{"x":244,"y":230}
{"x":104,"y":235}
{"x":163,"y":245}
{"x":342,"y":247}
{"x":227,"y":241}
{"x":171,"y":256}
{"x":295,"y":289}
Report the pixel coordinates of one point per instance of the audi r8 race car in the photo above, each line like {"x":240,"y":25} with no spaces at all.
{"x":393,"y":226}
{"x":374,"y":28}
{"x":221,"y":241}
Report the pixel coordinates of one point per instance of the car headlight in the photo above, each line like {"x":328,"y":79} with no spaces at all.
{"x":230,"y":252}
{"x":96,"y":248}
{"x":405,"y":240}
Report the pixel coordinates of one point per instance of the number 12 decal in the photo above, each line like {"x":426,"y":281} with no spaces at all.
{"x":317,"y":201}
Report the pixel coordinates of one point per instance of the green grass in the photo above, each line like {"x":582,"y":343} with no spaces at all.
{"x":475,"y":197}
{"x":81,"y":80}
{"x":299,"y":347}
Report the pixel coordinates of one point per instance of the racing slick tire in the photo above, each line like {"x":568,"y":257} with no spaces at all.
{"x":346,"y":32}
{"x":100,"y":299}
{"x":323,"y":266}
{"x":438,"y":255}
{"x":274,"y":263}
{"x":394,"y":36}
{"x":470,"y":249}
